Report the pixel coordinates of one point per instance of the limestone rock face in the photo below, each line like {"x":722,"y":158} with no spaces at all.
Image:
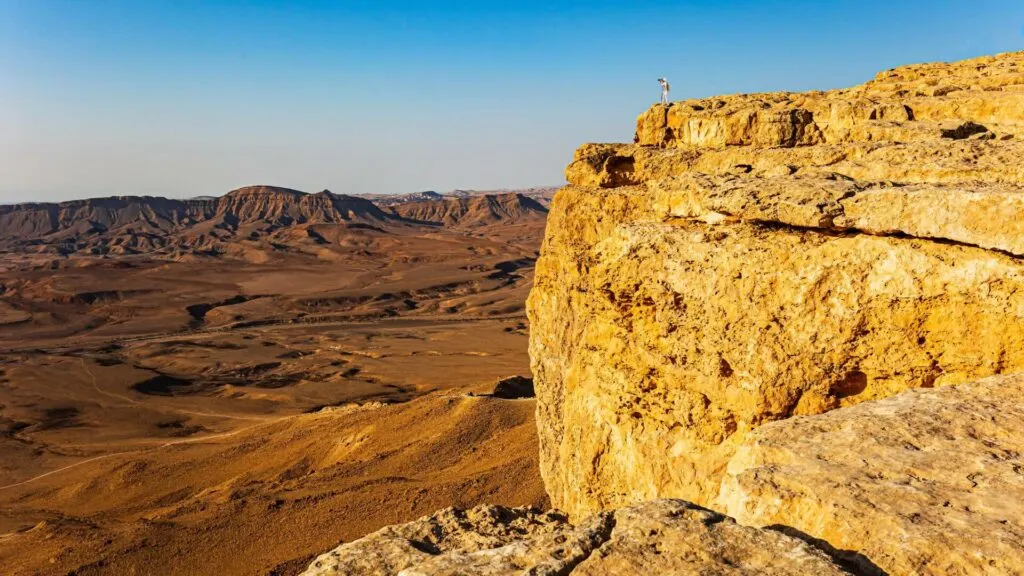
{"x":926,"y":482}
{"x":660,"y":537}
{"x":752,"y":258}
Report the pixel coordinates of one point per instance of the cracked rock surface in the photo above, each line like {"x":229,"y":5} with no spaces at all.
{"x":756,"y":257}
{"x":659,"y":537}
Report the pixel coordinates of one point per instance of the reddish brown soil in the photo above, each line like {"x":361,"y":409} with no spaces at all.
{"x":239,"y":405}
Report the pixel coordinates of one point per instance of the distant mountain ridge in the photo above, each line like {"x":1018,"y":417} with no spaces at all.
{"x":391,"y":199}
{"x":472,"y":211}
{"x":282,"y":206}
{"x":542,"y":194}
{"x":143,"y":224}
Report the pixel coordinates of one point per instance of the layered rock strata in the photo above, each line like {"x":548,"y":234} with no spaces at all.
{"x":752,"y":258}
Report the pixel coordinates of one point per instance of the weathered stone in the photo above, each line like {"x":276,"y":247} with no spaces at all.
{"x":938,"y":161}
{"x":926,"y":482}
{"x":675,"y":537}
{"x":674,"y":340}
{"x":456,"y":532}
{"x":985,"y":215}
{"x":746,"y":263}
{"x":660,"y":537}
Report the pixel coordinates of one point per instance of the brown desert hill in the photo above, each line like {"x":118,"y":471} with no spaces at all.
{"x":472,"y":211}
{"x":283,"y":207}
{"x":263,"y":498}
{"x":542,"y":194}
{"x":250,"y":450}
{"x":31,"y":224}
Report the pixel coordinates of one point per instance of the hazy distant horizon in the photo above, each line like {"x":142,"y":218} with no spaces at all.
{"x":201,"y":196}
{"x":112,"y":97}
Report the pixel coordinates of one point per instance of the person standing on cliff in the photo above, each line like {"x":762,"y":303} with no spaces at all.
{"x":664,"y":90}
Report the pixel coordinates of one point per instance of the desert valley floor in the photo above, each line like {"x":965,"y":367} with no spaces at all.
{"x":238,"y":399}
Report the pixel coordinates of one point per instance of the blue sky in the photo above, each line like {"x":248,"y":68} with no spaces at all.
{"x":182,"y":98}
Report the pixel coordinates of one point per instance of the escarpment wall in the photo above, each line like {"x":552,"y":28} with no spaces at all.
{"x":751,"y":258}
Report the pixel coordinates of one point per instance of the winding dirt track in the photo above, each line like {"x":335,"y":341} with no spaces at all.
{"x":134,"y":402}
{"x":420,"y":321}
{"x":334,"y":322}
{"x":85,"y":368}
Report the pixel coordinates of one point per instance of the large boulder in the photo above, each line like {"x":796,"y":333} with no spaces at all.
{"x":660,"y":537}
{"x":710,"y":280}
{"x":930,"y":481}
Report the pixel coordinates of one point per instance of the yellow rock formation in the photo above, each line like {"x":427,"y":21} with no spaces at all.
{"x":750,"y":258}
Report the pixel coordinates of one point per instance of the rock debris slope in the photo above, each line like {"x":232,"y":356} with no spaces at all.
{"x":756,"y":257}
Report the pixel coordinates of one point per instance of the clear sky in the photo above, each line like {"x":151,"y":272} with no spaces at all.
{"x":182,"y":98}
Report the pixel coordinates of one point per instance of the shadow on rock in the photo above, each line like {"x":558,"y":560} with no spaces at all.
{"x":854,"y":562}
{"x":513,"y":388}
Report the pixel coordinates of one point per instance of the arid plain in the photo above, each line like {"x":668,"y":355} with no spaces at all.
{"x":235,"y":385}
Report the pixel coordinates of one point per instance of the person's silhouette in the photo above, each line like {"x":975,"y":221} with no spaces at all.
{"x":664,"y":90}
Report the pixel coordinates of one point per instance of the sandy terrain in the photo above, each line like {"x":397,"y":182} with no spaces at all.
{"x":188,"y":413}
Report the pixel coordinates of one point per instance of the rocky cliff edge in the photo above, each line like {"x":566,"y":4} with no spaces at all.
{"x":783,"y":307}
{"x":756,"y":257}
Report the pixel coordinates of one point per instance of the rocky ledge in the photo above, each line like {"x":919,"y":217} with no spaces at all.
{"x":660,"y":537}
